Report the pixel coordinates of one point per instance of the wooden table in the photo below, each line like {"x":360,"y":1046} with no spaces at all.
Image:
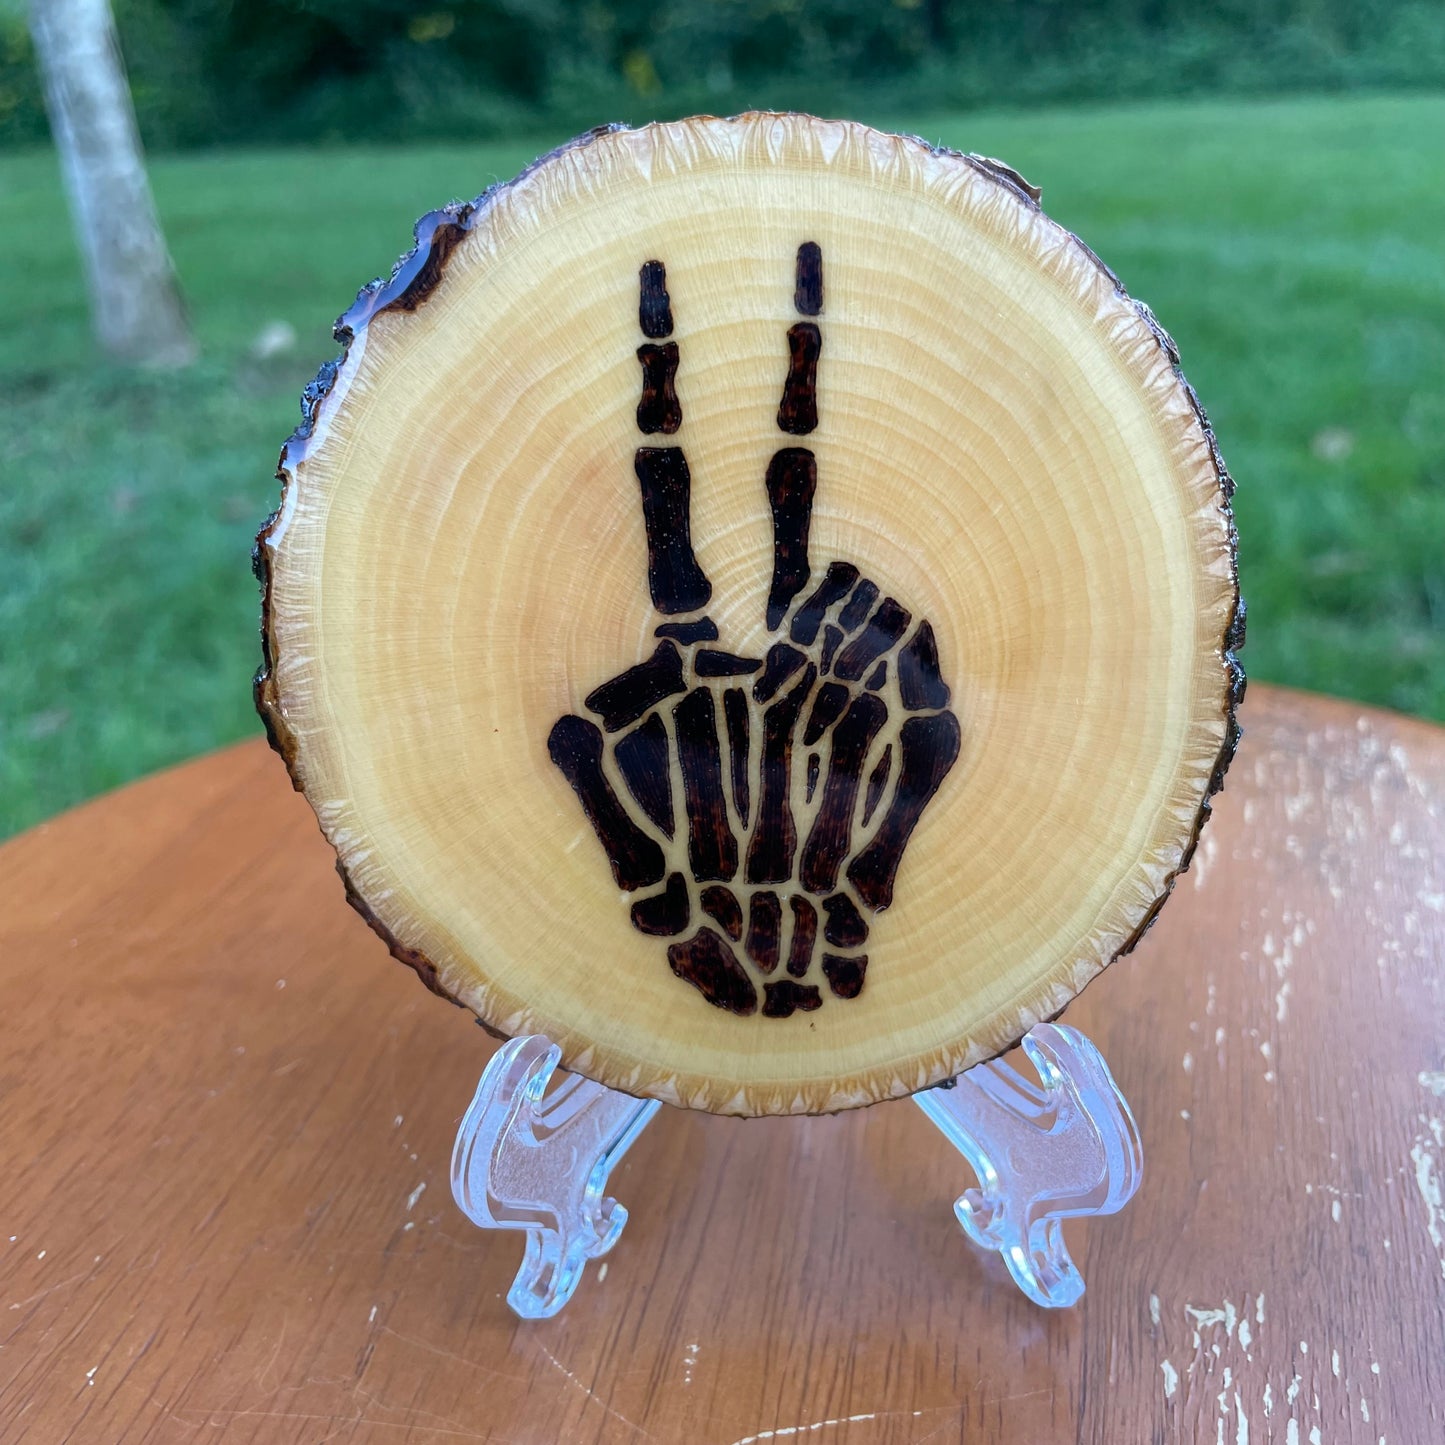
{"x":227,"y":1118}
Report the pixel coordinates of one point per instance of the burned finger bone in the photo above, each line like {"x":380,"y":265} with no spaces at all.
{"x":659,"y":410}
{"x":775,"y":793}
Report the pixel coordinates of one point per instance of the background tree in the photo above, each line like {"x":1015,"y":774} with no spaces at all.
{"x":135,"y":300}
{"x":308,"y":72}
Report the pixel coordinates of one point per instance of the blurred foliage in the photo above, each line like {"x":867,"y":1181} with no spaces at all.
{"x":1296,"y":250}
{"x":213,"y":71}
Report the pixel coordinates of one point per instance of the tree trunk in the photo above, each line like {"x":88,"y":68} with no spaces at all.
{"x":756,"y":603}
{"x":937,"y":13}
{"x":136,"y":305}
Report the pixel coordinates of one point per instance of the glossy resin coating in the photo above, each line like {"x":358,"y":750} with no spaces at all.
{"x":755,"y":602}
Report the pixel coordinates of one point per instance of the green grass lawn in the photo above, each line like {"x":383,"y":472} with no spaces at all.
{"x":1295,"y":249}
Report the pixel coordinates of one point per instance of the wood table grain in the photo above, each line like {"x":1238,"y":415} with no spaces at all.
{"x":226,"y":1119}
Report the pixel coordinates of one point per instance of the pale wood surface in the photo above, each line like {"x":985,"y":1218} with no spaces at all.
{"x":209,"y":1149}
{"x":1003,"y":447}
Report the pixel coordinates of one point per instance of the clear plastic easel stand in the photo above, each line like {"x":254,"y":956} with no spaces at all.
{"x":522,"y":1161}
{"x":1066,"y":1146}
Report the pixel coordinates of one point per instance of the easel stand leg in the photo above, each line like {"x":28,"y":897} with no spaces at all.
{"x":522,"y":1161}
{"x":1043,"y":1152}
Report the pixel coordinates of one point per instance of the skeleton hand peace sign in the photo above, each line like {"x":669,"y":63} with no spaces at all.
{"x":801,"y":775}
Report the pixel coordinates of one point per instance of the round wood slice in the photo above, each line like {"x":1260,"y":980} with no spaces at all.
{"x":755,"y":602}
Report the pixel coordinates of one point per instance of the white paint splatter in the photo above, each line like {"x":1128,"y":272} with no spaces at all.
{"x":1434,"y":1081}
{"x":1187,"y":1063}
{"x":415,"y":1194}
{"x":1268,"y":1400}
{"x":1335,"y":1362}
{"x":1314,"y":1435}
{"x":1259,"y":1310}
{"x":1282,"y":955}
{"x":1204,"y":859}
{"x":1241,"y":1430}
{"x":1335,"y":1210}
{"x":1291,"y":1433}
{"x":1207,"y":1318}
{"x":1154,"y":1309}
{"x":1427,"y":1181}
{"x":371,"y":1318}
{"x":1171,"y":1379}
{"x":1223,"y":1396}
{"x":783,"y":1431}
{"x":602,"y":1271}
{"x":1292,"y":1394}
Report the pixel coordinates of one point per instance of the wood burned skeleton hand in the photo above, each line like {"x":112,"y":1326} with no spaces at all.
{"x":759,"y":807}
